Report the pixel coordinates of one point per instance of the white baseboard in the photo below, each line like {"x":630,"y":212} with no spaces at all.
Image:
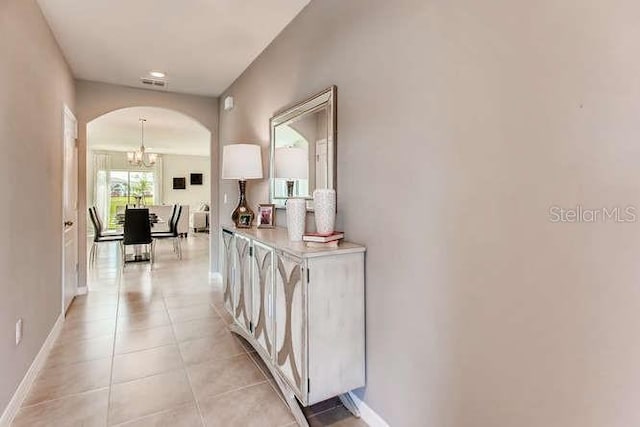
{"x":23,"y":389}
{"x":367,"y":414}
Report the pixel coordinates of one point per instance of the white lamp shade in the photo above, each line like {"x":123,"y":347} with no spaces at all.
{"x":291,"y":163}
{"x":241,"y":161}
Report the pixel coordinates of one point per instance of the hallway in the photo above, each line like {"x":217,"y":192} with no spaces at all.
{"x":152,"y":348}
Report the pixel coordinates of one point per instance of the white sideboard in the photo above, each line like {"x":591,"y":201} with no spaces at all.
{"x":302,"y":309}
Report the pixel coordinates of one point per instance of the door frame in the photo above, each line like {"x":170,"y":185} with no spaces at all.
{"x":66,"y":111}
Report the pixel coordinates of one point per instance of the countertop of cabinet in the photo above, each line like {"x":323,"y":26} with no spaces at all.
{"x":279,"y":239}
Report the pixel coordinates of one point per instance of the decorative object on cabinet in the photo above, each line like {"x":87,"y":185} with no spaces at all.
{"x":324,"y":205}
{"x":195,"y":179}
{"x":323,"y":237}
{"x":318,"y":240}
{"x":296,"y":215}
{"x":292,"y":165}
{"x":301,"y":309}
{"x":180,"y":183}
{"x":242,"y":162}
{"x":266,"y":218}
{"x":304,"y":133}
{"x":244,"y":220}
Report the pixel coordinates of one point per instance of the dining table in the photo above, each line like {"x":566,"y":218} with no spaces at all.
{"x":153,"y":219}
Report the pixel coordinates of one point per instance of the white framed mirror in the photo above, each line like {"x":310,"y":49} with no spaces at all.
{"x":303,"y":148}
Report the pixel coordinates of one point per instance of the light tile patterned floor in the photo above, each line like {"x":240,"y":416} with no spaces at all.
{"x":151,"y":347}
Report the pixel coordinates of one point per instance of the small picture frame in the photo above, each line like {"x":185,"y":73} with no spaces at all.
{"x":266,"y":217}
{"x":244,"y":220}
{"x":180,"y":183}
{"x":195,"y":179}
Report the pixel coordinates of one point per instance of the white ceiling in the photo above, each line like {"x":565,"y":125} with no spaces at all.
{"x":165,"y":131}
{"x":202,"y":45}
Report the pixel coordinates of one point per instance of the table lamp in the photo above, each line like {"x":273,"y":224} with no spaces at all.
{"x":291,"y":163}
{"x":242,"y":162}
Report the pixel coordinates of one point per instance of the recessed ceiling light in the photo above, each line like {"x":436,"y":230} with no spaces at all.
{"x":158,"y":74}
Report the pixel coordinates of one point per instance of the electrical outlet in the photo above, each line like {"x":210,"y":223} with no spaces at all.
{"x":18,"y":331}
{"x":225,"y":198}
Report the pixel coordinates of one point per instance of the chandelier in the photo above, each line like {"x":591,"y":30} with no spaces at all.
{"x":140,"y":157}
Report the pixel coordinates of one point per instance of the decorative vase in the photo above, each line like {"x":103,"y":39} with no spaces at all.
{"x":296,"y":213}
{"x":324,"y":205}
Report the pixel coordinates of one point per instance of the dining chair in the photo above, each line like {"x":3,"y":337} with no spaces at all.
{"x":173,"y":231}
{"x":100,"y":235}
{"x":137,"y":231}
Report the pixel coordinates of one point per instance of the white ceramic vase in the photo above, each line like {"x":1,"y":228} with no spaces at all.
{"x":296,"y":213}
{"x":324,"y":206}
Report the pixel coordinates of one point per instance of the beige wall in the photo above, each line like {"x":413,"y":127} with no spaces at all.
{"x":95,"y":99}
{"x":459,"y":124}
{"x":174,"y":165}
{"x":35,"y":82}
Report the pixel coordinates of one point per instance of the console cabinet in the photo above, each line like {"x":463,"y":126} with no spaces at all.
{"x":302,"y":309}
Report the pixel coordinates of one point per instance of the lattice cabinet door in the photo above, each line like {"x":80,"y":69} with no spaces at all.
{"x":290,"y":320}
{"x":242,"y":305}
{"x":228,"y":269}
{"x":262,"y":307}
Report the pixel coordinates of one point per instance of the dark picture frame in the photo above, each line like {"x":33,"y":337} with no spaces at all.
{"x":244,"y":220}
{"x":179,"y":183}
{"x":266,"y":215}
{"x":196,"y":179}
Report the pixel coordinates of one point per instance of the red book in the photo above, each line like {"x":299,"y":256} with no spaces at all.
{"x":323,"y":238}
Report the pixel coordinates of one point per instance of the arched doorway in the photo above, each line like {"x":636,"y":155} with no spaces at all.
{"x":181,"y":145}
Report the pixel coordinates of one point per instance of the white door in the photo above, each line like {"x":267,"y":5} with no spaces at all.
{"x":69,"y":211}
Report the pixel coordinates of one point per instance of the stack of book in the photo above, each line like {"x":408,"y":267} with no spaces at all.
{"x":317,"y":240}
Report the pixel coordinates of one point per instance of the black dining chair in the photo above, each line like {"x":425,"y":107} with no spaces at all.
{"x":173,"y":231}
{"x":137,"y":231}
{"x":100,"y":235}
{"x":174,"y":210}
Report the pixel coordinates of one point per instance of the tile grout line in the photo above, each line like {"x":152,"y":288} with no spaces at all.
{"x":166,"y":300}
{"x":142,"y":417}
{"x":184,"y":366}
{"x":244,"y":387}
{"x":175,"y":369}
{"x":267,"y":375}
{"x":80,"y":393}
{"x":113,"y":350}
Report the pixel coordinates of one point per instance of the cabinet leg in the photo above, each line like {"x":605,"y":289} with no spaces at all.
{"x":348,"y":403}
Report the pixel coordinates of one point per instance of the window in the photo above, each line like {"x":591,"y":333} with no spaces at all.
{"x":125,"y":188}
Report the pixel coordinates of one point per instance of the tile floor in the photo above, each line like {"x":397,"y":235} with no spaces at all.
{"x":150,"y":347}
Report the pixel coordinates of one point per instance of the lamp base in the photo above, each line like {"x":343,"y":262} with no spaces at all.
{"x":242,"y":216}
{"x":290,"y":189}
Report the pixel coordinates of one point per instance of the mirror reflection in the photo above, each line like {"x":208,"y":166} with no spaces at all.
{"x":302,"y":149}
